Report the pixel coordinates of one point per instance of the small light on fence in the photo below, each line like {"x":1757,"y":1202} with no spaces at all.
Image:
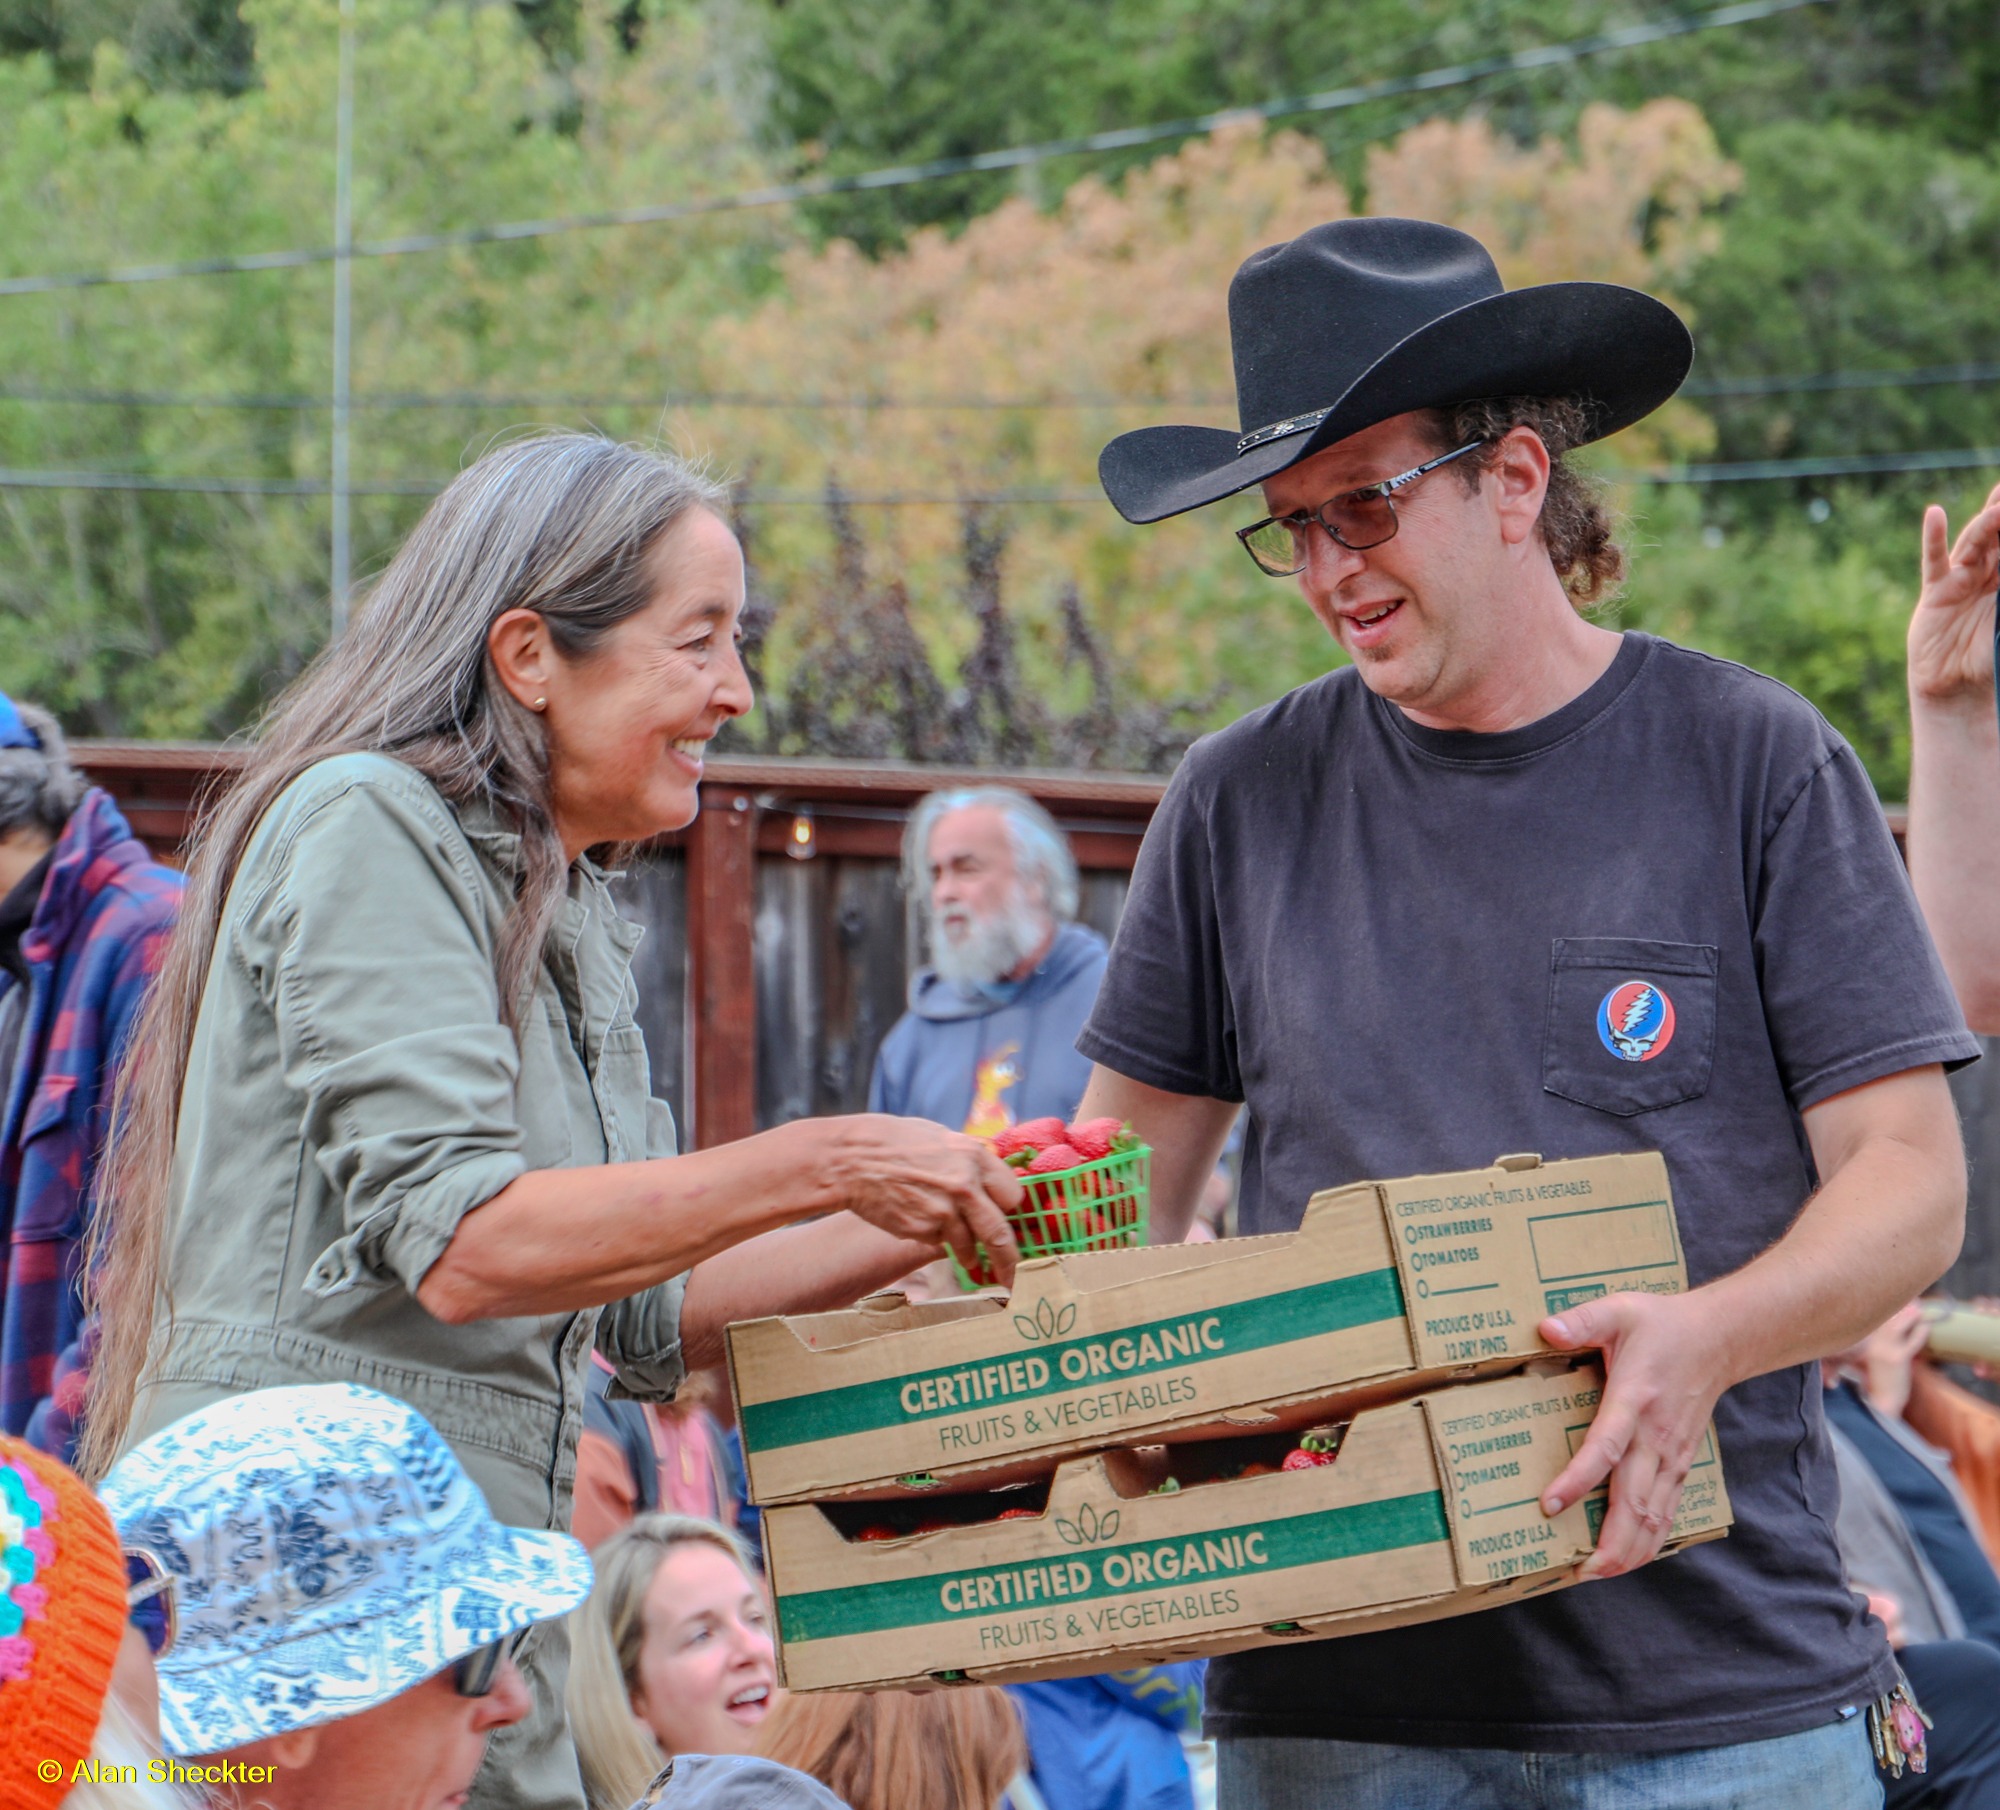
{"x":802,"y":846}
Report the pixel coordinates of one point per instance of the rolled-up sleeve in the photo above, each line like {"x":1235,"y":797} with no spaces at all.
{"x":640,"y":1338}
{"x":370,"y":942}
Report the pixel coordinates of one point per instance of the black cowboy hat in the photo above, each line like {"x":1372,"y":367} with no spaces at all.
{"x":1354,"y":322}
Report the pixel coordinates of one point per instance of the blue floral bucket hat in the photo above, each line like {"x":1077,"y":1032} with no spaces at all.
{"x":328,"y":1552}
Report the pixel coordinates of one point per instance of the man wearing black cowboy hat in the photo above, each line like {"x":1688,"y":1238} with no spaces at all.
{"x":1512,"y":881}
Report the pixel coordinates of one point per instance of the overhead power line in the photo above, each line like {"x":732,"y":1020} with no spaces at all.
{"x":17,"y":479}
{"x":1733,"y":472}
{"x":14,"y":479}
{"x":390,"y":401}
{"x":1846,"y":465}
{"x":1547,"y":56}
{"x":305,"y":403}
{"x":1842,"y":380}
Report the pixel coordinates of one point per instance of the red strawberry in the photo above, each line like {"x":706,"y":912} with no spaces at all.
{"x":1314,"y":1448}
{"x":1031,"y":1132}
{"x":1017,"y":1514}
{"x":1009,"y":1141}
{"x":878,"y":1532}
{"x":1093,"y":1138}
{"x":1054,"y":1158}
{"x":1256,"y":1470}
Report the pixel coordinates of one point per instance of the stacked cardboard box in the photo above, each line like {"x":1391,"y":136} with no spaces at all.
{"x":887,"y":1442}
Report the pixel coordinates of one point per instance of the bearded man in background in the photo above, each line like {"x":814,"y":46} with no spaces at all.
{"x":990,"y":1037}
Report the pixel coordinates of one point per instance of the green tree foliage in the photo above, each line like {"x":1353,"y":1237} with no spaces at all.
{"x":860,"y":83}
{"x":177,"y":615}
{"x":1852,"y":249}
{"x":172,"y":43}
{"x":1819,"y":603}
{"x":1860,"y":233}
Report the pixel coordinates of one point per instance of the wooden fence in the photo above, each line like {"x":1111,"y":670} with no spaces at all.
{"x":780,"y":941}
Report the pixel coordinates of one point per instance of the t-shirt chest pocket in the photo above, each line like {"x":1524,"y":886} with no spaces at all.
{"x":1631,"y":1023}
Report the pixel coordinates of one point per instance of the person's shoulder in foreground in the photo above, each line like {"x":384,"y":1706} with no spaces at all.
{"x":731,"y":1781}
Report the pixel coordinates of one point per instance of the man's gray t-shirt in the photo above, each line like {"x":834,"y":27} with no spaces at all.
{"x":1668,"y":916}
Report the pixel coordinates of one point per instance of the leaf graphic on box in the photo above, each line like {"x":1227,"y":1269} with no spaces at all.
{"x":1068,"y":1532}
{"x":1046,"y":1322}
{"x":1086,"y":1524}
{"x":1107,"y":1529}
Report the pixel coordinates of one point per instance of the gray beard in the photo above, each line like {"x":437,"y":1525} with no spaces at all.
{"x":988,"y":949}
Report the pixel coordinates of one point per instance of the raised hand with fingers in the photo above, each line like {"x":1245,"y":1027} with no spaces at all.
{"x":1664,"y":1368}
{"x":1951,"y":631}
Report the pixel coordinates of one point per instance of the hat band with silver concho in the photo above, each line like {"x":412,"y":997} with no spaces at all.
{"x":1280,"y":430}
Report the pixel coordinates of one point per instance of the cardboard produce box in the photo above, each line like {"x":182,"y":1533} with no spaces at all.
{"x":1430,"y":1508}
{"x":1392,"y":1287}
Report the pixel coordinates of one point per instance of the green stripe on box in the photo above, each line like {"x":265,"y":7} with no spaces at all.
{"x":1395,"y":1523}
{"x":1254,"y":1325}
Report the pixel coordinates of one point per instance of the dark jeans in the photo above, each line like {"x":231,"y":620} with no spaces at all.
{"x":1958,"y":1683}
{"x":1825,"y":1768}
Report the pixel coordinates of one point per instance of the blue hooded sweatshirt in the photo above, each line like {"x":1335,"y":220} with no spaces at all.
{"x":1007,"y":1053}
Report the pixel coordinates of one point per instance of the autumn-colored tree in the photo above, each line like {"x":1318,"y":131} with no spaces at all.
{"x":997,"y":363}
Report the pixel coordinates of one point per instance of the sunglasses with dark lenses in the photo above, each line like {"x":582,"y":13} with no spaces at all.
{"x":1357,"y":519}
{"x":150,"y":1603}
{"x":479,"y":1671}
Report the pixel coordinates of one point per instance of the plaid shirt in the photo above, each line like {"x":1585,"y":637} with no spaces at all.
{"x":98,"y":936}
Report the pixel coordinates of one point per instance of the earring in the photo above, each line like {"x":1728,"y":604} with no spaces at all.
{"x":541,"y":704}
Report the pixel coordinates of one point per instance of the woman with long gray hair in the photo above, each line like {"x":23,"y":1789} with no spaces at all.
{"x":387,"y":1119}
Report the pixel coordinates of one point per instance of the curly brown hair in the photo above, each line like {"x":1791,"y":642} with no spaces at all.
{"x":1575,"y":524}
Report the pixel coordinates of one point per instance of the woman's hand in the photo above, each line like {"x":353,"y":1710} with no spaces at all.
{"x":919,"y":1181}
{"x":1951,"y":632}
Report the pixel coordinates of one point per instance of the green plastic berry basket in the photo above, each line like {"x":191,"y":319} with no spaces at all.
{"x":1098,"y":1206}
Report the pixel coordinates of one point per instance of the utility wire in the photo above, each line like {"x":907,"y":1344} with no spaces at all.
{"x":1547,"y":56}
{"x":1921,"y":377}
{"x":1736,"y":472}
{"x":1842,"y":380}
{"x":1845,"y":465}
{"x":305,"y":403}
{"x":15,"y":479}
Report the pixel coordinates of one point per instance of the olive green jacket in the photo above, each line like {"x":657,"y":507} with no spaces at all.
{"x":353,"y":1093}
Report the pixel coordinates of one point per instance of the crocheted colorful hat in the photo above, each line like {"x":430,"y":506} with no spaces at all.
{"x":62,"y":1614}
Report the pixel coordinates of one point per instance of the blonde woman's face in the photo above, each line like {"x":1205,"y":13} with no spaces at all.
{"x":628,"y":725}
{"x":707,"y":1670}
